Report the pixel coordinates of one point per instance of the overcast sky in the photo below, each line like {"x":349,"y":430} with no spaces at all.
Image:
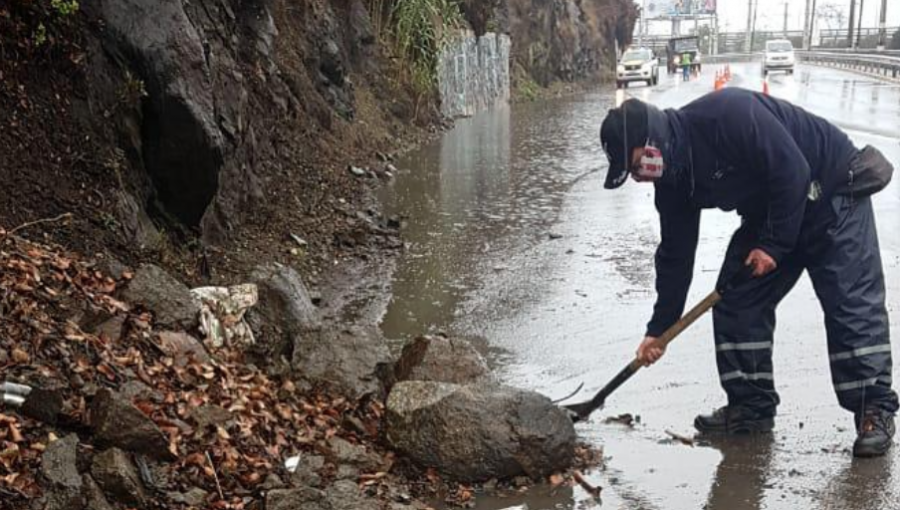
{"x":770,"y":15}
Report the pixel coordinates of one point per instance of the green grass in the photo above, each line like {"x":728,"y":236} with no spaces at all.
{"x":420,"y":29}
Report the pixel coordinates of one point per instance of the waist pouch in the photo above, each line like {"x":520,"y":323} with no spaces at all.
{"x":870,"y":172}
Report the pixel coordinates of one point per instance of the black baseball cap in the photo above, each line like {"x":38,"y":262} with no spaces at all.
{"x":623,"y":129}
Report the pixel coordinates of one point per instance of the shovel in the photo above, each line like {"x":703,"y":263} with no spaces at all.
{"x":581,"y":411}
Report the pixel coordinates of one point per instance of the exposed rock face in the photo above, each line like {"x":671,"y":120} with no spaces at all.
{"x":169,"y":300}
{"x":182,"y":142}
{"x":478,"y":432}
{"x":440,"y":359}
{"x":567,"y":39}
{"x":354,"y":360}
{"x":118,"y":423}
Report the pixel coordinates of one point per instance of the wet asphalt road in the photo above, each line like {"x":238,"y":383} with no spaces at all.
{"x":513,"y":240}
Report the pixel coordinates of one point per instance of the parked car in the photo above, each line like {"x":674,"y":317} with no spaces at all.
{"x":779,"y":56}
{"x":637,"y":64}
{"x":677,"y":47}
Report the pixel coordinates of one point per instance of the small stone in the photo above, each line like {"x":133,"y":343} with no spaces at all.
{"x":347,"y":472}
{"x":111,"y":329}
{"x":4,"y":357}
{"x":440,"y":359}
{"x":304,"y":498}
{"x":196,"y":497}
{"x":116,"y":422}
{"x":182,"y":348}
{"x":345,"y":452}
{"x":272,"y":482}
{"x":170,"y":300}
{"x":357,"y":171}
{"x":137,"y":390}
{"x":306,"y":474}
{"x":553,"y":236}
{"x":118,"y":477}
{"x":390,"y":168}
{"x":210,"y":414}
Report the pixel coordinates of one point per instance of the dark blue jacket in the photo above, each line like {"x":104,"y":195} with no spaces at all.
{"x":744,"y":151}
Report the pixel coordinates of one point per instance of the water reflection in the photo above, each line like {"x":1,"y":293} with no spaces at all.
{"x":477,"y":197}
{"x":742,"y":474}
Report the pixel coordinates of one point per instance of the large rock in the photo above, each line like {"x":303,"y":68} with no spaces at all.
{"x":353,"y":360}
{"x":440,"y":359}
{"x":59,"y":466}
{"x":117,"y":476}
{"x":170,"y":300}
{"x":480,"y":431}
{"x":117,"y":422}
{"x":284,"y":311}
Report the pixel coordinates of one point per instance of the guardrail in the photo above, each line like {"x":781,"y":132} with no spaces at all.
{"x":731,"y":57}
{"x":880,"y":65}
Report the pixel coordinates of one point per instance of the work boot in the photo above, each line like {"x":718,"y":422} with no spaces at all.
{"x":875,"y":432}
{"x":734,"y":420}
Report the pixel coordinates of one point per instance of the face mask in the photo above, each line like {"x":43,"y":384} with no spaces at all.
{"x":651,"y":165}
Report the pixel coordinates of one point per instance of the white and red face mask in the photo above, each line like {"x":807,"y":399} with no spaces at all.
{"x":651,"y":165}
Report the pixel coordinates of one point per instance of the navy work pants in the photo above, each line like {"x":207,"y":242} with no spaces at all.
{"x":838,"y":246}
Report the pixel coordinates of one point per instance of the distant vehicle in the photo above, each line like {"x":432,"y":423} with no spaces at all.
{"x":779,"y":56}
{"x":637,"y":64}
{"x":678,"y":46}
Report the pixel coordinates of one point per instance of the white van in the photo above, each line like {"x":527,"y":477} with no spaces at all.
{"x":779,"y":56}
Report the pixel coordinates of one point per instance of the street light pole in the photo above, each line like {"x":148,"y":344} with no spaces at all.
{"x":748,"y":41}
{"x":882,"y":27}
{"x":850,"y":25}
{"x":807,"y":26}
{"x":859,"y":17}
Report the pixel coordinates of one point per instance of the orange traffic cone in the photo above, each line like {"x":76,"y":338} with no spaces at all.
{"x":766,"y":87}
{"x":717,"y":82}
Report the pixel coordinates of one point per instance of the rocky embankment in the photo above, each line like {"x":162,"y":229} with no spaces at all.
{"x":147,"y":394}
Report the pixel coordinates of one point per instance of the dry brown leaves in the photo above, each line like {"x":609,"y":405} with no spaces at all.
{"x":47,"y":292}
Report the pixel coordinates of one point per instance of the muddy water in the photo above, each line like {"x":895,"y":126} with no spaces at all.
{"x":513,"y":240}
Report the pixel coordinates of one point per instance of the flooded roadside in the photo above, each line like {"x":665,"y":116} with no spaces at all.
{"x":512,"y":239}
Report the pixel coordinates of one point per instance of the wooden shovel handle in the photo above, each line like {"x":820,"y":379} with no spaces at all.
{"x":689,"y":318}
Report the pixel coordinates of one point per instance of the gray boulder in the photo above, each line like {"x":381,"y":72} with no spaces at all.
{"x":59,"y":466}
{"x":116,"y":422}
{"x":284,"y":311}
{"x":118,"y":477}
{"x":440,"y":359}
{"x":353,"y":360}
{"x":170,"y":300}
{"x":480,"y":431}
